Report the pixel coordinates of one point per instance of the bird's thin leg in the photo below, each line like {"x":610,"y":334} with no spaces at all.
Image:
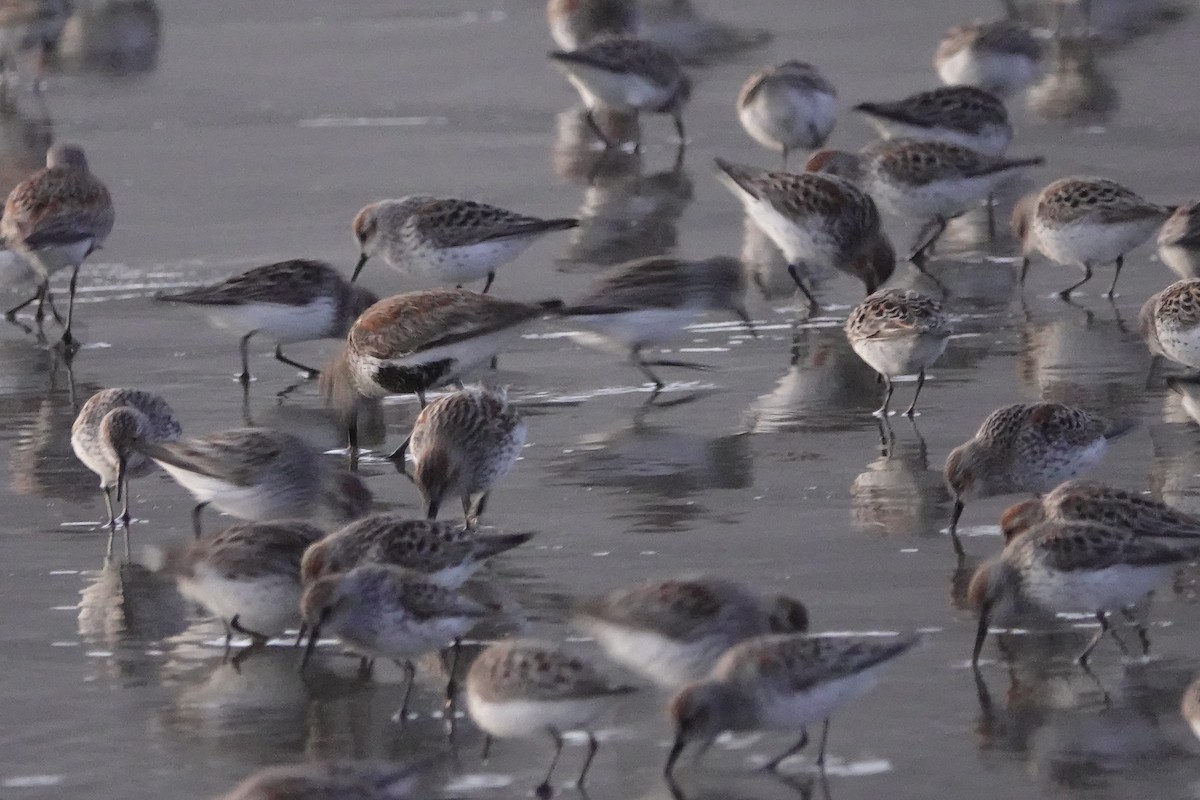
{"x":912,"y":409}
{"x":108,"y":504}
{"x":487,"y":747}
{"x":887,"y":397}
{"x":930,"y":233}
{"x":466,"y":507}
{"x":197,"y":529}
{"x":635,"y":357}
{"x":1143,"y":635}
{"x":1102,"y":618}
{"x":593,"y":746}
{"x":773,"y":764}
{"x":813,"y":305}
{"x":410,"y":677}
{"x":67,"y":338}
{"x":1112,"y":288}
{"x":1025,"y":261}
{"x":244,"y":349}
{"x":678,"y":115}
{"x":1065,"y":294}
{"x":488,"y":284}
{"x":785,"y":157}
{"x":451,"y":684}
{"x":824,"y":740}
{"x":991,"y":217}
{"x":544,"y":788}
{"x":311,"y":373}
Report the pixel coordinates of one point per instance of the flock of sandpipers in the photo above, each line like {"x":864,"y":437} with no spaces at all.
{"x":387,"y":586}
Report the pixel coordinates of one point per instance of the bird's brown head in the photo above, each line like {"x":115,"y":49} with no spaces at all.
{"x":1020,"y":518}
{"x":313,"y":563}
{"x":67,"y":156}
{"x":875,"y":262}
{"x":830,"y":161}
{"x":320,"y":600}
{"x":1022,"y":221}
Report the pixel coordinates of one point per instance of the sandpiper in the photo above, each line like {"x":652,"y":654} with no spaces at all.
{"x":927,"y":180}
{"x":1027,"y":447}
{"x":818,"y":221}
{"x":898,"y":332}
{"x":56,"y":218}
{"x":258,"y":474}
{"x":963,"y":115}
{"x":446,"y":553}
{"x":627,"y":74}
{"x":780,"y":682}
{"x":448,"y":240}
{"x":1090,"y":501}
{"x":462,"y":444}
{"x":1001,"y":56}
{"x":105,"y":434}
{"x":575,"y":23}
{"x":1074,"y":567}
{"x":651,"y":301}
{"x":247,"y":575}
{"x":522,"y":688}
{"x":29,"y":25}
{"x":1086,"y":222}
{"x":788,"y":106}
{"x":330,"y":780}
{"x":1170,"y":323}
{"x":1179,"y":241}
{"x":380,"y":611}
{"x":422,"y":340}
{"x":290,"y":301}
{"x":672,"y":631}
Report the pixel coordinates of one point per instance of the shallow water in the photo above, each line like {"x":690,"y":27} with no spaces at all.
{"x":255,"y":133}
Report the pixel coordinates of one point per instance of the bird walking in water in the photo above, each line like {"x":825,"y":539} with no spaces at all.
{"x":56,"y":218}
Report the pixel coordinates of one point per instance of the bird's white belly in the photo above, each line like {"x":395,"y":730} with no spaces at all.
{"x":267,"y":605}
{"x":521,"y":718}
{"x":1095,"y":243}
{"x":896,"y":356}
{"x":667,"y":662}
{"x":628,"y":329}
{"x":799,"y":709}
{"x":283,"y":323}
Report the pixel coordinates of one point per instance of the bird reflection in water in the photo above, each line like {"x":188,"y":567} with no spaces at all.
{"x":1074,"y":90}
{"x":662,"y":467}
{"x":827,"y":387}
{"x":112,"y":37}
{"x":625,"y":213}
{"x":898,"y":494}
{"x":129,"y":612}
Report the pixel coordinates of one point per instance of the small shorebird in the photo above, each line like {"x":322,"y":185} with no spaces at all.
{"x":462,"y":444}
{"x":626,"y":74}
{"x":56,"y":218}
{"x":330,"y":780}
{"x":444,"y":552}
{"x":445,"y":239}
{"x":105,"y":436}
{"x":522,"y":688}
{"x":651,"y":301}
{"x":290,"y":301}
{"x":961,"y":115}
{"x":29,"y":25}
{"x":672,"y":631}
{"x":1179,"y":241}
{"x":380,"y":611}
{"x":1001,"y":57}
{"x":258,"y":474}
{"x":423,"y":340}
{"x":1170,"y":323}
{"x":898,"y":332}
{"x":1027,"y":447}
{"x":930,"y":181}
{"x":783,"y":682}
{"x":1074,"y":567}
{"x":788,"y":106}
{"x":1090,"y":501}
{"x":817,"y":221}
{"x":575,"y":23}
{"x":1086,"y":222}
{"x":247,"y":575}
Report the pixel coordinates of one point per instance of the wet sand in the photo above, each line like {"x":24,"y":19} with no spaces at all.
{"x":257,"y":136}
